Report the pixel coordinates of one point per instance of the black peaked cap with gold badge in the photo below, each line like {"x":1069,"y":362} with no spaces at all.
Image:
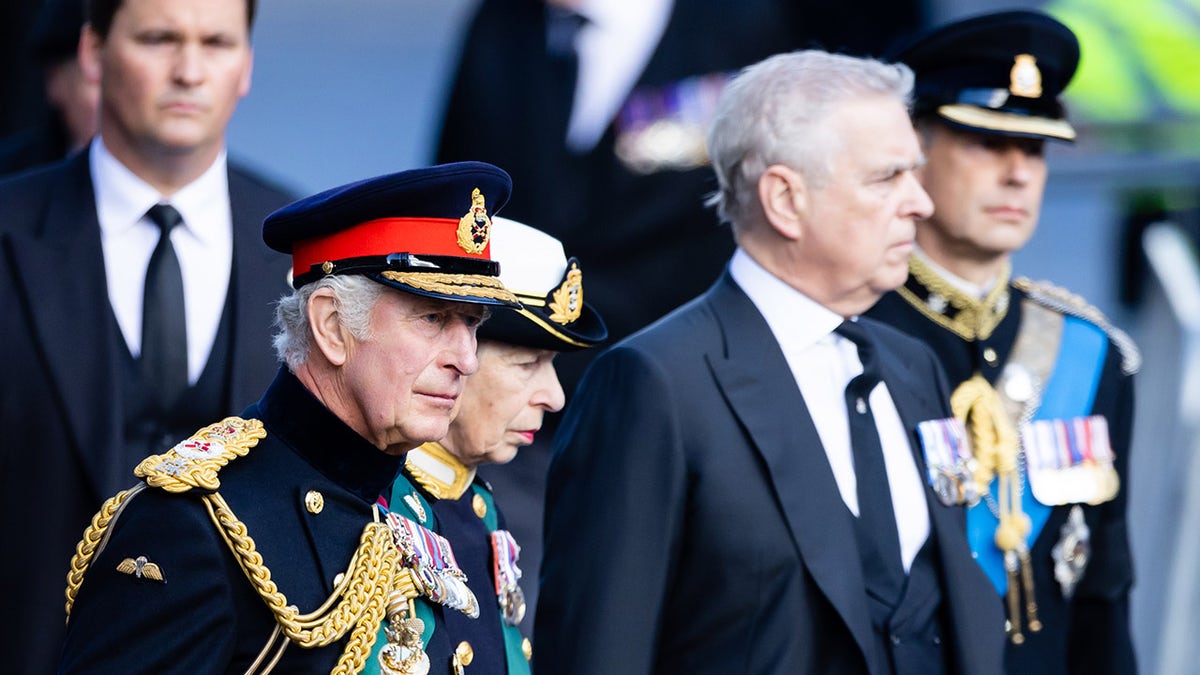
{"x":425,"y":231}
{"x":553,"y":314}
{"x":999,"y":73}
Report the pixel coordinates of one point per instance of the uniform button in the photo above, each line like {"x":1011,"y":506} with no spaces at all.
{"x":479,"y":505}
{"x":465,"y":653}
{"x":527,"y":649}
{"x":937,"y":639}
{"x":896,"y":640}
{"x":314,"y":501}
{"x":990,"y":356}
{"x":338,"y":579}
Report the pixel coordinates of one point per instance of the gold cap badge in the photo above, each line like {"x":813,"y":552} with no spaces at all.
{"x":474,"y":227}
{"x":567,"y":302}
{"x":1025,"y":79}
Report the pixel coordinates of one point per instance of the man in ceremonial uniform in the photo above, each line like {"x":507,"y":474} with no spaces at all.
{"x":737,"y":488}
{"x":503,"y":406}
{"x":1041,"y":380}
{"x":284,"y":560}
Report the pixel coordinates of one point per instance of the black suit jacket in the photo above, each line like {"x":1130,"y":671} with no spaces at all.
{"x":60,"y":401}
{"x":693,"y":524}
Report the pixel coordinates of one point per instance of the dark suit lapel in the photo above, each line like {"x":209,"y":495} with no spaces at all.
{"x":62,"y":275}
{"x":259,"y":278}
{"x":760,"y":389}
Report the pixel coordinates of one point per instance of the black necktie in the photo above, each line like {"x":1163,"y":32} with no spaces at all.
{"x":875,"y":527}
{"x":164,"y":328}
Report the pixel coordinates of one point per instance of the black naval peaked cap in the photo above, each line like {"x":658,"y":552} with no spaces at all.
{"x":425,"y":231}
{"x":999,"y":73}
{"x":553,"y":314}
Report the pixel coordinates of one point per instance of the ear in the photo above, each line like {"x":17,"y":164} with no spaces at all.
{"x":248,"y":70}
{"x":784,"y":196}
{"x":88,"y":52}
{"x":329,"y":335}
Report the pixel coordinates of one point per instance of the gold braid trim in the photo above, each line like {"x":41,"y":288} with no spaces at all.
{"x":976,"y":319}
{"x":194,"y":463}
{"x":996,"y":447}
{"x":358,"y":602}
{"x":476,"y":285}
{"x":86,"y":549}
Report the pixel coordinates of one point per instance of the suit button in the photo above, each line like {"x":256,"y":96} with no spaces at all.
{"x":937,"y":639}
{"x":314,"y":501}
{"x":896,"y":640}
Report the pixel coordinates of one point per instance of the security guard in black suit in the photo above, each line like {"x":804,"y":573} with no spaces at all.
{"x":258,"y":544}
{"x":1043,"y":381}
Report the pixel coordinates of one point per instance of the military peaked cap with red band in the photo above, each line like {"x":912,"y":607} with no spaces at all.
{"x":999,"y":73}
{"x":425,"y":231}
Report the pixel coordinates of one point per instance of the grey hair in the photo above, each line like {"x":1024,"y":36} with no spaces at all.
{"x":355,"y":296}
{"x":773,"y":113}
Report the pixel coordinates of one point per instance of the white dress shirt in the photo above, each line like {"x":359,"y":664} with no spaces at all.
{"x":823,"y":363}
{"x":613,"y":47}
{"x":203,"y":244}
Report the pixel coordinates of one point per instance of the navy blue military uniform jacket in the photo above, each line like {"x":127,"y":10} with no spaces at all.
{"x":693,"y":523}
{"x":205,"y":616}
{"x":1088,"y":633}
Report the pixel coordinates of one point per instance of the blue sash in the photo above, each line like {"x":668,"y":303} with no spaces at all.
{"x":1070,"y":392}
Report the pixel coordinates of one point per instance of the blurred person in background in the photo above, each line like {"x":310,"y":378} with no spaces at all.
{"x":73,"y":98}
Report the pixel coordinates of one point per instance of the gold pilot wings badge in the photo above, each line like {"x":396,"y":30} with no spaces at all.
{"x":141,"y":568}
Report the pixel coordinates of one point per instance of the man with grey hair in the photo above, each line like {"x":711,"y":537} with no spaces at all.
{"x":287,"y":560}
{"x":737,"y":488}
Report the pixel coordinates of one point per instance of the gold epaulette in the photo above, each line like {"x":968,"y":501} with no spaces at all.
{"x":373,"y":579}
{"x":191,"y":463}
{"x":194,"y":463}
{"x":1062,"y":300}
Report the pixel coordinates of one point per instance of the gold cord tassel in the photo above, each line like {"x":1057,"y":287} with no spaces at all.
{"x":995,"y":442}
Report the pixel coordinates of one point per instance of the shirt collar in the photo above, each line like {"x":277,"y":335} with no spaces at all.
{"x":794,"y":318}
{"x":122,"y":197}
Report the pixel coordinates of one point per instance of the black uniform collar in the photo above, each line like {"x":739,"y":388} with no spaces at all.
{"x":292,"y":413}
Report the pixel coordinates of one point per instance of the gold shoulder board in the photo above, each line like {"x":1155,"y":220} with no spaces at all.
{"x":1064,"y":301}
{"x":194,"y":463}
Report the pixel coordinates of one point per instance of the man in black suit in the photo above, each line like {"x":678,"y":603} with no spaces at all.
{"x":1024,"y":357}
{"x":87,"y":392}
{"x":731,"y":490}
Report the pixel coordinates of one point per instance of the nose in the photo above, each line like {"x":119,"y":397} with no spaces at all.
{"x":459,"y":352}
{"x":1018,"y":166}
{"x":189,"y":65}
{"x":919,"y":206}
{"x":548,"y":394}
